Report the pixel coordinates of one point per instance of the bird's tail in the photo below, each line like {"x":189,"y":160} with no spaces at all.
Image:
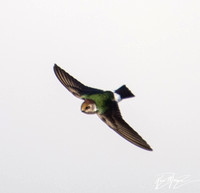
{"x":124,"y":92}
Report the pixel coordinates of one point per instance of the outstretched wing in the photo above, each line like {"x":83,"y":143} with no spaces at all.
{"x":113,"y":119}
{"x":74,"y":86}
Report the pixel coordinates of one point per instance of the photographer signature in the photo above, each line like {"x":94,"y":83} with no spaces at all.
{"x":172,"y":181}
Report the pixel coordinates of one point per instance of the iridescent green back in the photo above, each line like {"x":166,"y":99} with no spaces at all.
{"x":102,"y":100}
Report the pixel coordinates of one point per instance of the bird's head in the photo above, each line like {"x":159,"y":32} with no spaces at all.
{"x":89,"y":107}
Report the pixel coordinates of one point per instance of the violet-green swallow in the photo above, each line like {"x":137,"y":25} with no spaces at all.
{"x":104,"y":104}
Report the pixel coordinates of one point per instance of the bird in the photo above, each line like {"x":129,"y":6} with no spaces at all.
{"x":104,"y":104}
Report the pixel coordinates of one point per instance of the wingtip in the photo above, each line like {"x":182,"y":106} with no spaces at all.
{"x":149,"y":149}
{"x":56,"y":68}
{"x":143,"y":146}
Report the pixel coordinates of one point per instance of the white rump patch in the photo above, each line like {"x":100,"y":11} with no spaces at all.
{"x":117,"y":97}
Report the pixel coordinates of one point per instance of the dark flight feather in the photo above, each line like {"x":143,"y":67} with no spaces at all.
{"x":74,"y":86}
{"x":114,"y":120}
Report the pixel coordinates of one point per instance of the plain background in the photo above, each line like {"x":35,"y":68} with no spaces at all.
{"x":47,"y":145}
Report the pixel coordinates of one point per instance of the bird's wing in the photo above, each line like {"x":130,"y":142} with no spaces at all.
{"x":74,"y":86}
{"x":113,"y":119}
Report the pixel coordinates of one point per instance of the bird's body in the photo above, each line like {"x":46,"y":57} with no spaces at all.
{"x":104,"y":104}
{"x":102,"y":100}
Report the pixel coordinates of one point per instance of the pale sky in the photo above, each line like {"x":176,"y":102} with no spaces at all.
{"x":47,"y":145}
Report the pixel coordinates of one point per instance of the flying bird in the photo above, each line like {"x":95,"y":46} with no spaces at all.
{"x":104,"y":104}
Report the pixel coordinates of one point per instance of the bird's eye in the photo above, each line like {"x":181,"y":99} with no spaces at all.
{"x":87,"y":107}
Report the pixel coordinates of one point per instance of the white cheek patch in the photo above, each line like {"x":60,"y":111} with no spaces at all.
{"x":91,"y":110}
{"x":117,"y":97}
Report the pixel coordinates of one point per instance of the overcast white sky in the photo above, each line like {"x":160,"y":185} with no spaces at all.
{"x":47,"y":145}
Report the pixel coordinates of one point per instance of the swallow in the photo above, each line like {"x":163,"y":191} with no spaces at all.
{"x":104,"y":104}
